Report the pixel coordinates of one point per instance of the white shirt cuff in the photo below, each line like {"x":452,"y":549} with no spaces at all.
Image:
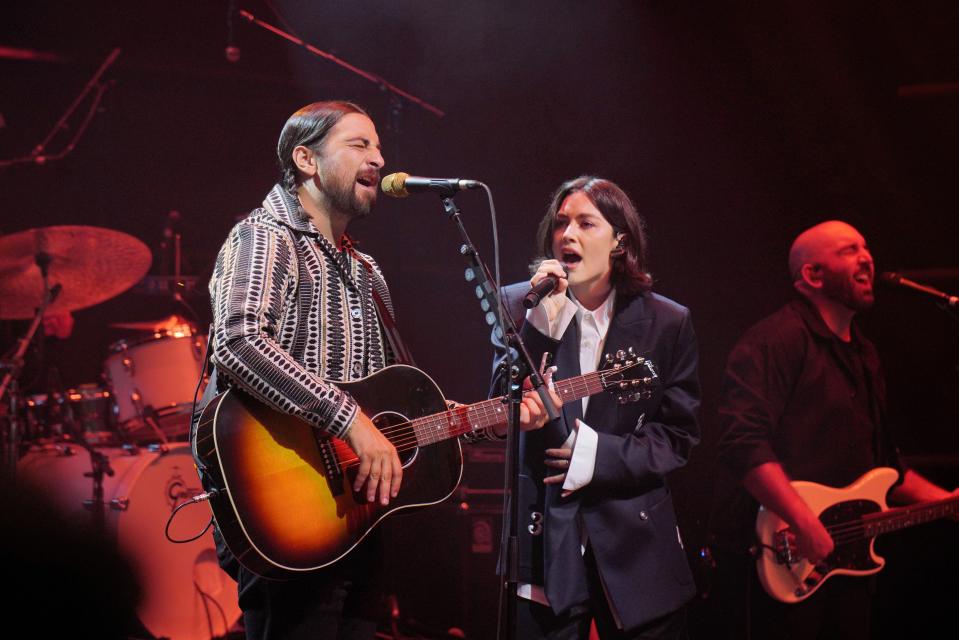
{"x":585,"y":441}
{"x":551,"y":316}
{"x":532,"y":592}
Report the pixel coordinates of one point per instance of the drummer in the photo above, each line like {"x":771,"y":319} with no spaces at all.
{"x":40,"y":371}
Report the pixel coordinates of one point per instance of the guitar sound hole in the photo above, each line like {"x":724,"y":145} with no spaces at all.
{"x":399,"y":431}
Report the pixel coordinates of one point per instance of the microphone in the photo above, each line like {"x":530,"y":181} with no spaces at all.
{"x":542,"y":289}
{"x":400,"y":185}
{"x":894,"y":279}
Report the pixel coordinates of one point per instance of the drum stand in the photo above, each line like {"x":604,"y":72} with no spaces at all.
{"x":100,"y":463}
{"x":14,"y":365}
{"x":149,"y":417}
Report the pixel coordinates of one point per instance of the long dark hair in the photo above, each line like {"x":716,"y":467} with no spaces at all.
{"x":630,"y":275}
{"x":308,"y":127}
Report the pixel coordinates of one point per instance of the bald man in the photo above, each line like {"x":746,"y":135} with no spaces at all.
{"x":803,"y":399}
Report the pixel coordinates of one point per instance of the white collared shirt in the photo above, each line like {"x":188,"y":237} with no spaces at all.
{"x":552,"y":318}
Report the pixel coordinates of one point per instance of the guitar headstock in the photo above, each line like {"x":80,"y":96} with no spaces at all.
{"x":628,"y":376}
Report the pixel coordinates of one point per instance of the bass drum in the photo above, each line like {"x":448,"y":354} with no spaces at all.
{"x":185,"y":593}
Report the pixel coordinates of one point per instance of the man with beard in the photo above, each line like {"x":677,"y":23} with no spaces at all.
{"x":295,"y":306}
{"x":803,"y":399}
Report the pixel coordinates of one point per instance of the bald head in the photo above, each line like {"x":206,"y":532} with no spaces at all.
{"x":831,"y":265}
{"x":814,"y":245}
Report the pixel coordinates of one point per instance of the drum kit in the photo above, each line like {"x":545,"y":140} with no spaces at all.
{"x":115,"y":455}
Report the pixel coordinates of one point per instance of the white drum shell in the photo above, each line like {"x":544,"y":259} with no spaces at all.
{"x":139,"y":498}
{"x":160,"y":372}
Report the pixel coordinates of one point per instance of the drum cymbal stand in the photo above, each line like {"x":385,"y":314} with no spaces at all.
{"x":100,"y":463}
{"x":12,"y":366}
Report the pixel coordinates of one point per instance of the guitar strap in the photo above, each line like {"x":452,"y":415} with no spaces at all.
{"x":402,"y":354}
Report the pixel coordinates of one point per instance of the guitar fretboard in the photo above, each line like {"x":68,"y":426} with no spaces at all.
{"x":873,"y":524}
{"x":490,"y":413}
{"x":902,"y":517}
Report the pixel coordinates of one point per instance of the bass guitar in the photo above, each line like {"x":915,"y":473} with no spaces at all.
{"x":284,"y":501}
{"x":853,"y":516}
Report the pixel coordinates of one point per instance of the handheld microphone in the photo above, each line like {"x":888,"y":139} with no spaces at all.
{"x":542,"y":289}
{"x":895,"y":279}
{"x":400,"y":185}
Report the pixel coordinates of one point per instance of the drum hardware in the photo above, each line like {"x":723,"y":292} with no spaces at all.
{"x":88,"y":264}
{"x":148,"y":484}
{"x":13,"y":365}
{"x":148,"y":415}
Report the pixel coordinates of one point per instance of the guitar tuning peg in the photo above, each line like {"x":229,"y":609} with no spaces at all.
{"x":609,"y":358}
{"x":620,"y":355}
{"x":631,"y":352}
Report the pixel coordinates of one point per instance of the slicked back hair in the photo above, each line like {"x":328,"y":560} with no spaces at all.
{"x":308,"y":127}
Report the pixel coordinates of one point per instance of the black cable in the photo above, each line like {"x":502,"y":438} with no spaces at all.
{"x":196,"y":392}
{"x":194,"y":500}
{"x":206,"y":608}
{"x":219,"y":607}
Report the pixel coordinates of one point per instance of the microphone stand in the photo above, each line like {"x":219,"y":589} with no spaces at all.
{"x":488,"y":293}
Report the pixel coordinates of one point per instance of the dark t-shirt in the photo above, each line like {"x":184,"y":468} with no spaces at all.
{"x":796,"y":394}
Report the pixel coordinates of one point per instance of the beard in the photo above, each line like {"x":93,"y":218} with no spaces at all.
{"x":846,"y":291}
{"x":343,"y":197}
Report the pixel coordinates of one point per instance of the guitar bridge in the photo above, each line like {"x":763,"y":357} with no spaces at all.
{"x":784,"y":550}
{"x":331,"y":466}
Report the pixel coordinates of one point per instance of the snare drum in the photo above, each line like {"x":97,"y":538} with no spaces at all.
{"x":155,"y":377}
{"x":185,"y":593}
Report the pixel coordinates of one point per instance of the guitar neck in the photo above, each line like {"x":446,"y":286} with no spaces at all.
{"x":902,"y":517}
{"x":490,"y":413}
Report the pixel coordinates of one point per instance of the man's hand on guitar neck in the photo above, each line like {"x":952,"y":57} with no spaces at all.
{"x":380,"y":466}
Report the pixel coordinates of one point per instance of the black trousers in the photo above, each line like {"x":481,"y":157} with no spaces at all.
{"x":739,"y":608}
{"x":538,"y":622}
{"x":343,"y":602}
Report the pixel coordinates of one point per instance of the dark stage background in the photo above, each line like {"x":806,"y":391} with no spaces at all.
{"x":734,"y":126}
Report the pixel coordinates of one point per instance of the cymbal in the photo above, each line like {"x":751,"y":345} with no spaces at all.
{"x":170,"y":323}
{"x":92,"y":263}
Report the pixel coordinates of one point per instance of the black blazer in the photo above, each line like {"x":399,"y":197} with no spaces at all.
{"x":627,"y":510}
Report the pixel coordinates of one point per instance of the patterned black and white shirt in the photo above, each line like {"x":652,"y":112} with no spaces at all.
{"x":291,"y":312}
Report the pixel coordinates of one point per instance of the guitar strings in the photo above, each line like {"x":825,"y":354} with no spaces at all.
{"x":577,"y":386}
{"x":847,"y":532}
{"x":485,"y":409}
{"x":439,"y":422}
